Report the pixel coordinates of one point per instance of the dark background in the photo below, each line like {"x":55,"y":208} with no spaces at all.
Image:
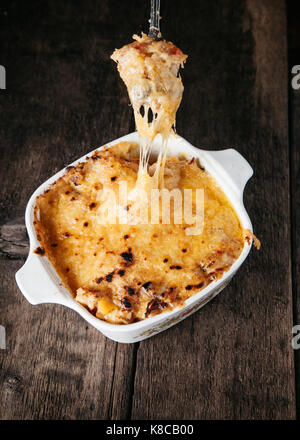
{"x":231,"y":360}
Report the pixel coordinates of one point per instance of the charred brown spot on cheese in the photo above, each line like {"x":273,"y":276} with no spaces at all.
{"x":127,"y":207}
{"x":54,"y":245}
{"x":95,"y":156}
{"x":67,"y":234}
{"x":154,"y":305}
{"x":75,"y":180}
{"x":166,"y":260}
{"x":126,"y":303}
{"x":113,"y":178}
{"x":126,"y":236}
{"x":127,"y":256}
{"x":130,"y":290}
{"x":109,"y":277}
{"x":183,"y":250}
{"x":85,"y":224}
{"x":121,"y":272}
{"x":175,"y":267}
{"x":98,"y":280}
{"x":40,"y":251}
{"x":195,"y":286}
{"x":67,"y":269}
{"x":146,"y":285}
{"x":73,"y":198}
{"x":68,"y":168}
{"x":92,"y":205}
{"x":67,"y":192}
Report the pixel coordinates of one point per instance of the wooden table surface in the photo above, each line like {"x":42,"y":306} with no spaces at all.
{"x":233,"y":359}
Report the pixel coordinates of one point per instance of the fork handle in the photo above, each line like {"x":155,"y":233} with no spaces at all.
{"x":154,"y":29}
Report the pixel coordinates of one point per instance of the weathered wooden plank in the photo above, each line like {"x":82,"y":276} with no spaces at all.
{"x":233,"y":359}
{"x":14,"y":242}
{"x":63,"y":99}
{"x":55,"y":366}
{"x":66,"y":90}
{"x":294,"y":59}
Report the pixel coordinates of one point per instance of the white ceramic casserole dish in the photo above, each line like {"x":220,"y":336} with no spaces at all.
{"x":39,"y":282}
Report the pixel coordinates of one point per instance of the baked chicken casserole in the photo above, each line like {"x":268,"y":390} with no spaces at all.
{"x":124,"y":273}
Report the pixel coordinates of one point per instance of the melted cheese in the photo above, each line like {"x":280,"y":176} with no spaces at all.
{"x":150,"y":69}
{"x":124,"y":273}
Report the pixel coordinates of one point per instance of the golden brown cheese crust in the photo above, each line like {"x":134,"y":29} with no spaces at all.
{"x":125,"y":273}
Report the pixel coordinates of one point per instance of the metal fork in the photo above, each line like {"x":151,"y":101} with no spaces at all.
{"x":154,"y":29}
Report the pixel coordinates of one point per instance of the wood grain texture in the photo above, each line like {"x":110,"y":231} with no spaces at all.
{"x":13,"y":239}
{"x":63,"y":99}
{"x":55,"y":366}
{"x":294,"y":59}
{"x":233,"y":359}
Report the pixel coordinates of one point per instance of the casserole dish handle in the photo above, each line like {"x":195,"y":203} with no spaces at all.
{"x":36,"y":284}
{"x":237,"y":168}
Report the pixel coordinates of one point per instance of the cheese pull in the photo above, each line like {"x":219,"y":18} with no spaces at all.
{"x":149,"y":69}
